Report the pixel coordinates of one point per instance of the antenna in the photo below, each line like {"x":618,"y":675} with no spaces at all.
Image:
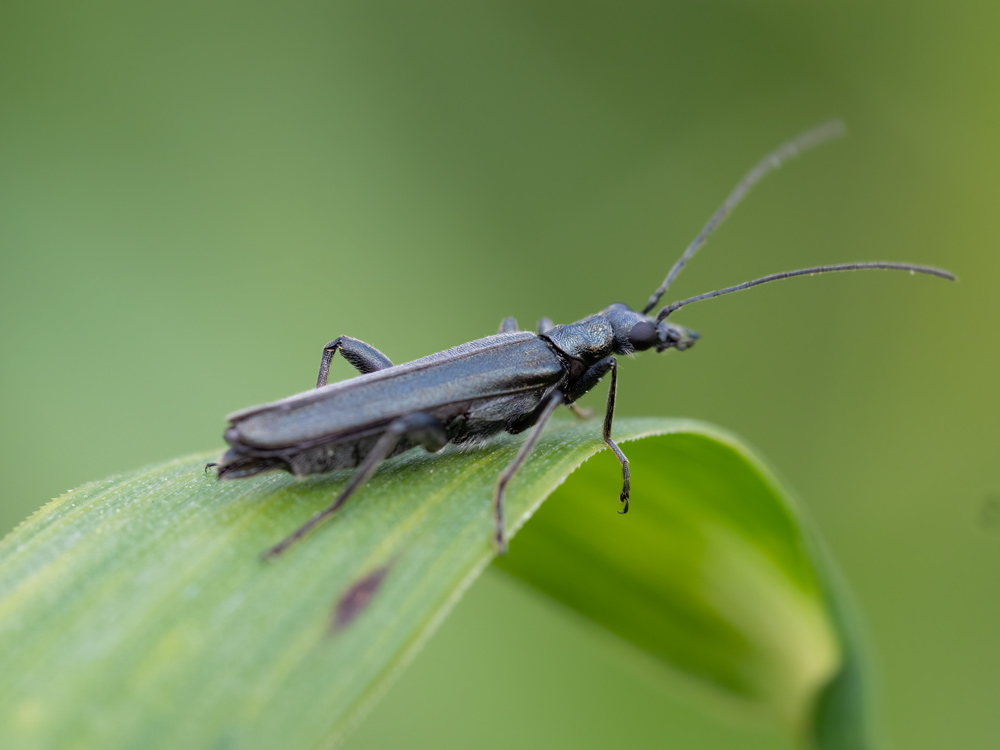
{"x":825,"y":132}
{"x":930,"y":270}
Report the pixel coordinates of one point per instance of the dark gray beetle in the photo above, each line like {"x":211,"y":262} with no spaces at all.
{"x":507,"y":382}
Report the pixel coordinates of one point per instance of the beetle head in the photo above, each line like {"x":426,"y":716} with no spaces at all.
{"x":635,"y":332}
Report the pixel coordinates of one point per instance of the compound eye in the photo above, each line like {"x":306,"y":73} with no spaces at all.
{"x":642,"y":336}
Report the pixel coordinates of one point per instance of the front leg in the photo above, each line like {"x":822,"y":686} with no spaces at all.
{"x":364,"y":357}
{"x":609,"y":415}
{"x":590,"y":377}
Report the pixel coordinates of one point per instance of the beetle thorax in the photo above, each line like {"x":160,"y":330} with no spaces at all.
{"x":587,"y":340}
{"x":618,"y":329}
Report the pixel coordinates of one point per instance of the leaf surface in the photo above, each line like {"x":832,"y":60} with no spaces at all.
{"x":134,"y":612}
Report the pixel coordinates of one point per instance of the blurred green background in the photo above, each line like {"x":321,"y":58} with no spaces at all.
{"x":195,"y":197}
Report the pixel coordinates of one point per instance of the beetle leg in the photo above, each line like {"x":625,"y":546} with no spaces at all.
{"x":545,"y":325}
{"x":508,"y":325}
{"x":550,"y":406}
{"x":364,"y":357}
{"x":584,"y":383}
{"x":606,"y":434}
{"x":420,"y":428}
{"x":589,"y":378}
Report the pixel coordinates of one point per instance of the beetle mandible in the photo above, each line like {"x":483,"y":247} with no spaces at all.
{"x":511,"y":381}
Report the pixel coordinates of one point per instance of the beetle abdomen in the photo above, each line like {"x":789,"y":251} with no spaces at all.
{"x":345,"y":455}
{"x":243,"y":460}
{"x":497,"y":367}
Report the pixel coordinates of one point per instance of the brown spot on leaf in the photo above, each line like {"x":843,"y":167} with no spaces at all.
{"x":357,"y":598}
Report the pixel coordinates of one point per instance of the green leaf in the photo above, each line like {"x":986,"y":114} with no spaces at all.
{"x":134,"y":612}
{"x":712,"y":572}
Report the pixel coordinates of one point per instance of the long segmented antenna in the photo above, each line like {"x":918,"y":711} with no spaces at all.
{"x":825,"y":132}
{"x":930,"y":270}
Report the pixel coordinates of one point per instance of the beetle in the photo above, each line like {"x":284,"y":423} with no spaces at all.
{"x":511,"y":381}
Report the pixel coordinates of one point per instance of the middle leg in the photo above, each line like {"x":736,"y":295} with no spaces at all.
{"x":554,"y":400}
{"x":508,"y":325}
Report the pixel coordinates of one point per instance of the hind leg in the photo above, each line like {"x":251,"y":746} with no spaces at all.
{"x":363,"y":357}
{"x":419,"y":428}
